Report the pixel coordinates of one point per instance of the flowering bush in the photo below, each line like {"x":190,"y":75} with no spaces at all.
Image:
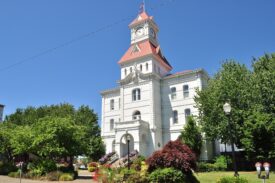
{"x":175,"y":154}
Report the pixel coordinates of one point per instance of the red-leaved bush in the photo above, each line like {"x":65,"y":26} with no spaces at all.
{"x":174,"y":154}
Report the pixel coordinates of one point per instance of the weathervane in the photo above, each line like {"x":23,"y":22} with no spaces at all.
{"x":142,"y":7}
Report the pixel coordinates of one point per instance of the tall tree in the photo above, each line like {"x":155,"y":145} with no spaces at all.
{"x":259,"y":127}
{"x":191,"y":136}
{"x":231,"y":83}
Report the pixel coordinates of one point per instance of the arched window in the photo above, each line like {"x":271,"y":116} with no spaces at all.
{"x":173,"y":93}
{"x":175,"y":117}
{"x":112,"y":124}
{"x":185,"y":91}
{"x":187,"y":112}
{"x":136,"y":94}
{"x":136,"y":115}
{"x":125,"y":72}
{"x":112,"y":104}
{"x":140,"y":67}
{"x":147,"y":66}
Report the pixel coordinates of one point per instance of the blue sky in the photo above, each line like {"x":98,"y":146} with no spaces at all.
{"x":193,"y":34}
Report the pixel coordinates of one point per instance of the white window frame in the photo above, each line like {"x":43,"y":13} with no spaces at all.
{"x":136,"y":94}
{"x":173,"y":93}
{"x":185,"y":91}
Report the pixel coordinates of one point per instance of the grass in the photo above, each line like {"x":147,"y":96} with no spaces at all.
{"x":212,"y":177}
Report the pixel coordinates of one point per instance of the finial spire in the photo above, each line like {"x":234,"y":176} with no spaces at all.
{"x":142,"y":7}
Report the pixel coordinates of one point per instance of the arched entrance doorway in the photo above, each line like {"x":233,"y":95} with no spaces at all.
{"x":124,"y":144}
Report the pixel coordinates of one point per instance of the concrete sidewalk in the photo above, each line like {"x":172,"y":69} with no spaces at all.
{"x":82,"y":179}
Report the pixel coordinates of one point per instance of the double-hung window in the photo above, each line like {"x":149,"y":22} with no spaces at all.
{"x":173,"y":93}
{"x":136,"y":94}
{"x":185,"y":91}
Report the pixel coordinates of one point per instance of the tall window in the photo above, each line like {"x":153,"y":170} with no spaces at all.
{"x":112,"y":104}
{"x":147,"y":66}
{"x":125,"y":72}
{"x":140,"y":67}
{"x":113,"y":145}
{"x":136,"y":94}
{"x":185,"y":91}
{"x":131,"y":70}
{"x":136,"y":115}
{"x":119,"y":103}
{"x":175,"y":117}
{"x":112,"y":124}
{"x":173,"y":93}
{"x":187,"y":112}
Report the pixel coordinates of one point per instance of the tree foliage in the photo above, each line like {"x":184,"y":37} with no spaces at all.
{"x":174,"y":154}
{"x":251,"y":95}
{"x":191,"y":136}
{"x":54,"y":131}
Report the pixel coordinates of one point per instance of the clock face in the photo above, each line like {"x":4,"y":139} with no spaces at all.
{"x":140,"y":31}
{"x":152,"y":33}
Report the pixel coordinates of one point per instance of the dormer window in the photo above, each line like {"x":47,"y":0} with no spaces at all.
{"x":135,"y":48}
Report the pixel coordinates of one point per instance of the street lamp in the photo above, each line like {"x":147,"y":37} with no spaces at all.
{"x":266,"y":167}
{"x":128,"y":138}
{"x":227,"y":111}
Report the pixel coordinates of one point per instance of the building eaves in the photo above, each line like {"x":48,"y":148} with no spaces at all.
{"x":187,"y":72}
{"x":109,"y":91}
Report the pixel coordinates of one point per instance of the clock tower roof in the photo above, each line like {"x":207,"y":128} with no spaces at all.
{"x":143,"y":49}
{"x":142,"y":17}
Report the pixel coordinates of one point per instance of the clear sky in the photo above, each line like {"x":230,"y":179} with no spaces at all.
{"x":193,"y":34}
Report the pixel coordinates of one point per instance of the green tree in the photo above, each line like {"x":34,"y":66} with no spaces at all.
{"x":231,"y":83}
{"x":54,"y":131}
{"x":259,"y":127}
{"x":191,"y":136}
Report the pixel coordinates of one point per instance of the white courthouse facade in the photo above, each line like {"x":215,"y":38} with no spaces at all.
{"x":150,"y":104}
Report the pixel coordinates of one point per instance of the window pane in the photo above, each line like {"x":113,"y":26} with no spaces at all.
{"x":111,"y":124}
{"x":185,"y":91}
{"x":173,"y":93}
{"x":112,"y":104}
{"x":175,"y":116}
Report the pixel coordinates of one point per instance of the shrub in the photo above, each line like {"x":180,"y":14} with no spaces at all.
{"x":206,"y":167}
{"x":136,"y":165}
{"x":66,"y":177}
{"x":14,"y":174}
{"x":41,"y":167}
{"x":92,"y":169}
{"x":54,"y":176}
{"x":6,"y":168}
{"x":233,"y":180}
{"x":220,"y":163}
{"x":175,"y":154}
{"x":137,"y":178}
{"x":167,"y":175}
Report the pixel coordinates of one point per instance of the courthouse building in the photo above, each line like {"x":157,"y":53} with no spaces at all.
{"x":150,"y":104}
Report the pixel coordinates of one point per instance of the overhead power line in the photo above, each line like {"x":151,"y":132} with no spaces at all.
{"x":76,"y":39}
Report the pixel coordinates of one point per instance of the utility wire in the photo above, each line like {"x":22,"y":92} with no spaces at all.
{"x":76,"y":39}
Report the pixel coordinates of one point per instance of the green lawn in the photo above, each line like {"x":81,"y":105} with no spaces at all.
{"x":212,"y":177}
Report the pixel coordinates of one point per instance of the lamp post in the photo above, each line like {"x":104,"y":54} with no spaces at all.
{"x":128,"y":138}
{"x":266,"y":167}
{"x":227,"y":111}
